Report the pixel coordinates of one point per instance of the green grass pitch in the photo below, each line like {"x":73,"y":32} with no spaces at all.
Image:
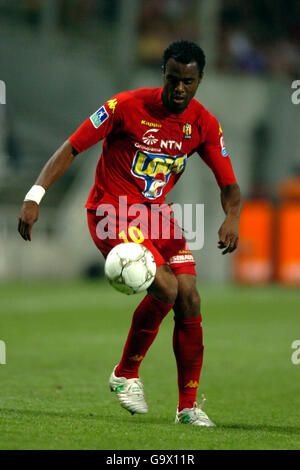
{"x":63,"y":339}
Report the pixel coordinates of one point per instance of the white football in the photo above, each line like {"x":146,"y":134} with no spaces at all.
{"x":130,"y":268}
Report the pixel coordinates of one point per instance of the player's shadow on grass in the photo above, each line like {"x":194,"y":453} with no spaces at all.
{"x":122,"y":416}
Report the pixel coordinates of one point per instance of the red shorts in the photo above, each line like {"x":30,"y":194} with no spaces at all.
{"x":158,"y":232}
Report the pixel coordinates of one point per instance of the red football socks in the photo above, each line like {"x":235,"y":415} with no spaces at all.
{"x":188,"y":350}
{"x":144,"y":328}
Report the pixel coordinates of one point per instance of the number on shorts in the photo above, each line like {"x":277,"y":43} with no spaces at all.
{"x":134,"y":233}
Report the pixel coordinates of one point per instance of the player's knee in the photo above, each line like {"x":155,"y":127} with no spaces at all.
{"x":188,"y":304}
{"x":167,"y":292}
{"x":171,"y":290}
{"x":193,"y":303}
{"x":165,"y":285}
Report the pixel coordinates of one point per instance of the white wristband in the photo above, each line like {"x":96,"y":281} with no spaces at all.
{"x":36,"y":194}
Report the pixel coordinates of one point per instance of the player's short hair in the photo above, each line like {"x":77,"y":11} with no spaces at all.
{"x":184,"y":52}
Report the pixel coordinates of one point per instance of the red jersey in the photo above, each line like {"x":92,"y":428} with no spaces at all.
{"x":146,"y":148}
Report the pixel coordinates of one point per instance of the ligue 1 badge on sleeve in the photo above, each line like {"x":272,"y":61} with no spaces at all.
{"x":99,"y":117}
{"x":187,"y":131}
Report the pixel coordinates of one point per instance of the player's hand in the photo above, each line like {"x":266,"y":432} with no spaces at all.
{"x":28,"y":216}
{"x":229,"y":234}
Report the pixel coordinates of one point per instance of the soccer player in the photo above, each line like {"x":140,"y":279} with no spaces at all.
{"x":149,"y":134}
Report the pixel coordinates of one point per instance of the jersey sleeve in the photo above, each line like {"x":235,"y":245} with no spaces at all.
{"x":213,"y":152}
{"x":105,"y":120}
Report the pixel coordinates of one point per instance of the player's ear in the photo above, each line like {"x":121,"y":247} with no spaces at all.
{"x":200,"y":77}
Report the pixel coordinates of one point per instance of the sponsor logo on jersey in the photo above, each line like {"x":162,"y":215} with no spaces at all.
{"x":155,"y":170}
{"x":181,"y":258}
{"x":151,"y":124}
{"x":223,"y":148}
{"x":99,"y":117}
{"x":220,"y":129}
{"x":187,"y":130}
{"x":112,"y":105}
{"x":145,"y":147}
{"x":170,"y":144}
{"x":149,"y":137}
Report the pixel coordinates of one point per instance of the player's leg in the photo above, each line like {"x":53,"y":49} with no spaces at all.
{"x":153,"y":308}
{"x":187,"y":336}
{"x":188,"y":339}
{"x":188,"y":349}
{"x":144,"y":328}
{"x":146,"y":321}
{"x":165,"y":285}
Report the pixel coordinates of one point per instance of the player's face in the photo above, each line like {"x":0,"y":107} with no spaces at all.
{"x":180,"y":85}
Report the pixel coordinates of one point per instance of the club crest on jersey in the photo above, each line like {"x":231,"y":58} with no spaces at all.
{"x":99,"y":117}
{"x":187,"y":130}
{"x":155,"y":170}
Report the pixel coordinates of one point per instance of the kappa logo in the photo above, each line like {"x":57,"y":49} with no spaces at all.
{"x":112,"y":105}
{"x":136,"y":358}
{"x":150,"y":124}
{"x":192,"y":384}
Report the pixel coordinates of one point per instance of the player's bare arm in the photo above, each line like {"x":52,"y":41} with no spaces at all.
{"x":229,"y":230}
{"x":54,"y":168}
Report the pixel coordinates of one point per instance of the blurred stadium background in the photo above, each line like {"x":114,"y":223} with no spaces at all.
{"x":61,"y":59}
